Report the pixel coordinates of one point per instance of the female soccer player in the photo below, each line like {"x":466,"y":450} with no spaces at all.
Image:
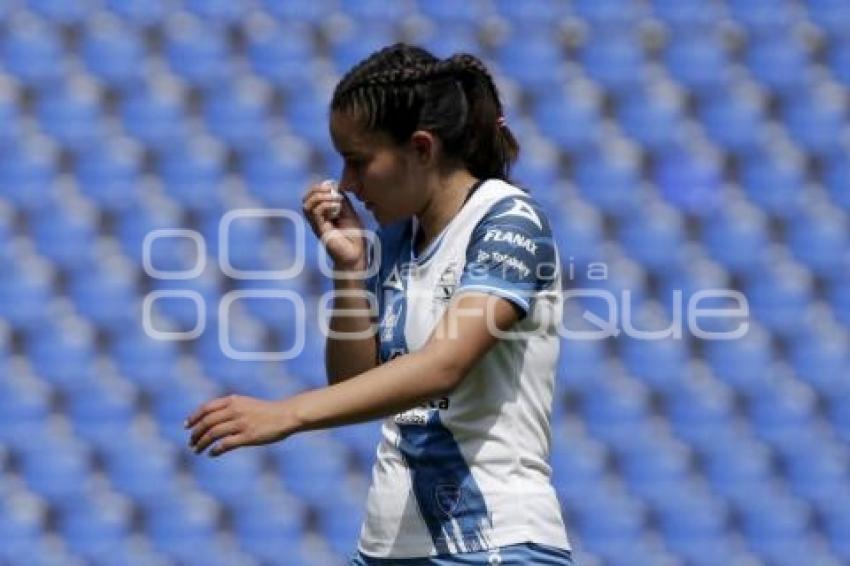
{"x":465,"y":279}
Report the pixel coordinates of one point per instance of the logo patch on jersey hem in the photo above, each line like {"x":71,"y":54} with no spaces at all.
{"x":448,"y":497}
{"x":447,"y":283}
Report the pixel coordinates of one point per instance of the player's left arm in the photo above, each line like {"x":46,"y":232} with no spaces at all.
{"x":463,"y":335}
{"x":506,"y":263}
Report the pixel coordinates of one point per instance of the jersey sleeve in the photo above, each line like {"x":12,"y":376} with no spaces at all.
{"x":511,"y":253}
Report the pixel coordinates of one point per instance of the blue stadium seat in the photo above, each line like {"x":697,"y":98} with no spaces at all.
{"x":822,"y":359}
{"x":609,"y":523}
{"x":764,"y":17}
{"x":690,"y":180}
{"x":66,"y":232}
{"x":269,"y":525}
{"x":839,"y":60}
{"x":651,"y":468}
{"x":180,"y":526}
{"x":838,"y":293}
{"x":468,"y":14}
{"x":736,"y":236}
{"x":307,"y":116}
{"x":181,"y":313}
{"x":148,"y":363}
{"x":577,"y":229}
{"x":245,"y":240}
{"x":33,"y":54}
{"x":816,"y":121}
{"x":581,"y":362}
{"x":836,"y":178}
{"x":818,"y":473}
{"x":198,"y":54}
{"x":192,"y":174}
{"x":532,"y":14}
{"x":577,"y":464}
{"x":660,"y":363}
{"x":446,"y":39}
{"x":734,"y":120}
{"x":309,"y":11}
{"x":570,"y":118}
{"x":110,"y":174}
{"x":819,"y":239}
{"x":693,"y":518}
{"x":615,"y":61}
{"x":610,"y":181}
{"x":695,"y":407}
{"x":699,"y":62}
{"x":96,"y":524}
{"x":652,"y":117}
{"x":143,"y":467}
{"x":172,"y":406}
{"x":62,"y":12}
{"x":25,"y":403}
{"x":355,"y":44}
{"x":614,"y":15}
{"x":24,"y":291}
{"x":108,"y":294}
{"x":114,"y":53}
{"x":27,"y":173}
{"x":686,"y":16}
{"x":63,"y":353}
{"x":277,"y":174}
{"x":737,"y":469}
{"x":773,"y":181}
{"x":746,"y":364}
{"x":778,"y":62}
{"x":340,"y":521}
{"x":102,"y":409}
{"x":613,"y":406}
{"x":283,"y":55}
{"x":362,"y":441}
{"x":775,"y":522}
{"x":142,"y":13}
{"x":154,"y":117}
{"x":135,"y":223}
{"x":787,"y":407}
{"x":11,"y":118}
{"x":307,"y":465}
{"x":653,"y":235}
{"x":238,"y":116}
{"x":56,"y":468}
{"x":780,"y":297}
{"x":229,"y":477}
{"x":536,"y":61}
{"x":23,"y":519}
{"x":373,"y":11}
{"x":832,"y":16}
{"x":221,"y":12}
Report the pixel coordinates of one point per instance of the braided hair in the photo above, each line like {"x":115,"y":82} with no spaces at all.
{"x":402,"y":88}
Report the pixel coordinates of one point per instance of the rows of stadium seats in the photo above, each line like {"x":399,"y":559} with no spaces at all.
{"x":687,"y":144}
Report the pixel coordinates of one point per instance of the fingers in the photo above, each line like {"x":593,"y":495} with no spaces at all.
{"x":214,"y":405}
{"x":228,"y":444}
{"x":217,"y":432}
{"x":209,"y":421}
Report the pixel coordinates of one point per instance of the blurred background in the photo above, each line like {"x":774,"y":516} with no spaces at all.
{"x":685,"y":144}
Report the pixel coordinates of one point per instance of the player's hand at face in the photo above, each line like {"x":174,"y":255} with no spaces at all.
{"x":236,"y":420}
{"x":320,"y":206}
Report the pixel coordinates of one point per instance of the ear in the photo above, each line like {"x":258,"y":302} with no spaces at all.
{"x":424,"y":146}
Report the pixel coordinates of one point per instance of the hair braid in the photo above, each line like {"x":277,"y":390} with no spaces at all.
{"x":401,"y":88}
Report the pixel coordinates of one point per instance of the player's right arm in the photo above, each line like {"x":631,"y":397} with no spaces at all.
{"x":351,"y":344}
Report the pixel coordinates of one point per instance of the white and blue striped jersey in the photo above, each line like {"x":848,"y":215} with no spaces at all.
{"x":469,"y":471}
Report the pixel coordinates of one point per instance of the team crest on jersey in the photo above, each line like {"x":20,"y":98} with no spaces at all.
{"x":523,"y":210}
{"x":447,"y":283}
{"x":448,"y":497}
{"x":393,"y":280}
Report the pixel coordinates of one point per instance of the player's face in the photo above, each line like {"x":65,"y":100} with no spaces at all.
{"x":377,"y":171}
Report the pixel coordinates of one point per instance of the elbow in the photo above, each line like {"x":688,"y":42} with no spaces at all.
{"x":447,"y":375}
